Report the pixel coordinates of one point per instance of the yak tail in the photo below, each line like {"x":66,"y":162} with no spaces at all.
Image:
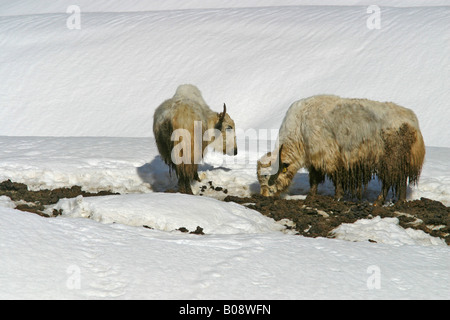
{"x":177,"y":152}
{"x":403,"y":157}
{"x":417,"y":157}
{"x":165,"y":145}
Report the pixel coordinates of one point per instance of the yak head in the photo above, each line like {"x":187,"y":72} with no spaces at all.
{"x":225,"y":141}
{"x":273,"y":174}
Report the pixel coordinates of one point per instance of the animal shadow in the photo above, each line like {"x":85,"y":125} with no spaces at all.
{"x":157,"y":174}
{"x":161,"y":179}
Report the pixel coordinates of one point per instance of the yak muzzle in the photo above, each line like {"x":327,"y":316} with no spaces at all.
{"x":265,"y":191}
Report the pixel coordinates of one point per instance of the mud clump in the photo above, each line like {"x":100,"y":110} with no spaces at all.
{"x":317,"y":216}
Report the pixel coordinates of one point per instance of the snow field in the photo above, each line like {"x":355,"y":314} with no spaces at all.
{"x":82,"y":259}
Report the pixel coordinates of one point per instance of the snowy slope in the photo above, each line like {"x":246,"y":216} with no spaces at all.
{"x":21,"y":7}
{"x":107,"y":78}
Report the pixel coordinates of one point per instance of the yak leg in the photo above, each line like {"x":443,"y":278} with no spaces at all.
{"x":186,"y":173}
{"x":315,"y":178}
{"x":359,"y":191}
{"x":383,"y":194}
{"x":401,"y":190}
{"x":184,"y":186}
{"x":338,"y":189}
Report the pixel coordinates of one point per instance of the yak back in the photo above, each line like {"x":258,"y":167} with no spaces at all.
{"x":179,"y":112}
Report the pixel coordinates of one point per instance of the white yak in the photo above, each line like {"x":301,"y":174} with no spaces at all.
{"x":187,"y":119}
{"x":349,"y":141}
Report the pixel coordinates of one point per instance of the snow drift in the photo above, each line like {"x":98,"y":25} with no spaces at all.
{"x":169,"y":212}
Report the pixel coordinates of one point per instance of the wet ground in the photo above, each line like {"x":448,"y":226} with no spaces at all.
{"x":312,"y":217}
{"x":34,"y":201}
{"x":316,"y":216}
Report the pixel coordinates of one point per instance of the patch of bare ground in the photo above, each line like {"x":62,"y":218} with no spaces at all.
{"x":315,"y":216}
{"x":35,"y":201}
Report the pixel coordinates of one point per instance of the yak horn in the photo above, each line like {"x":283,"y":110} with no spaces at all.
{"x":222,"y":115}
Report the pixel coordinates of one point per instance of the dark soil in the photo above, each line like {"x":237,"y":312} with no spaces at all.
{"x":198,"y":230}
{"x":36,"y":200}
{"x":313,"y":217}
{"x":317,"y":215}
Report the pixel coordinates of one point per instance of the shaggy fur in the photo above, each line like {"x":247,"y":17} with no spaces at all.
{"x":349,"y":141}
{"x":182,"y":111}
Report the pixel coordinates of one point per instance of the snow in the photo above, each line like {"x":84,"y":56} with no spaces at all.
{"x":76,"y":108}
{"x":386,"y":230}
{"x":21,"y":7}
{"x":83,"y":259}
{"x":169,"y":212}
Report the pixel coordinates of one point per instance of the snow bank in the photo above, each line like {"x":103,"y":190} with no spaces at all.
{"x":434,"y":181}
{"x":94,"y":163}
{"x":386,"y":230}
{"x":6,"y":202}
{"x":169,"y":212}
{"x":107,"y":78}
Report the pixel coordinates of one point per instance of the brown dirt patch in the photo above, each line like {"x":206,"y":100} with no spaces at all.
{"x":317,"y":216}
{"x":314,"y":216}
{"x":36,"y":200}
